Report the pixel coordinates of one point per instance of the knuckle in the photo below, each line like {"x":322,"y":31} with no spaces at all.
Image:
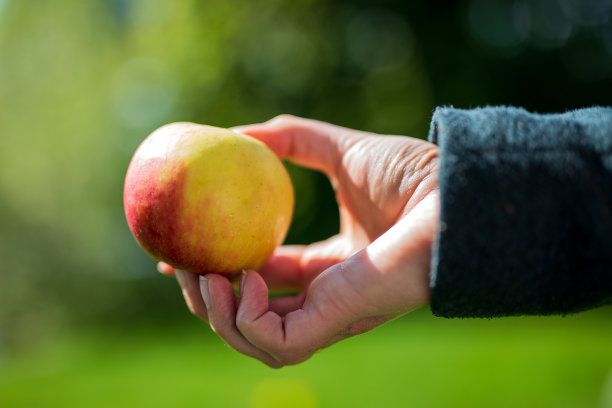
{"x":284,"y":120}
{"x":242,"y":323}
{"x":221,"y":328}
{"x":274,"y":364}
{"x":292,"y":356}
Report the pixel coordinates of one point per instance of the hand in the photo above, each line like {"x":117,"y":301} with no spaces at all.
{"x":375,"y":269}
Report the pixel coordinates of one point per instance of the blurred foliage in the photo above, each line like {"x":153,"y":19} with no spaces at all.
{"x":83,"y":82}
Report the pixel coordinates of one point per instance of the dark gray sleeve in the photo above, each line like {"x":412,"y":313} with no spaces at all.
{"x":526,"y":212}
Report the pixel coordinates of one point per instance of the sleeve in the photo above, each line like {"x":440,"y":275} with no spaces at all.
{"x":526,"y":212}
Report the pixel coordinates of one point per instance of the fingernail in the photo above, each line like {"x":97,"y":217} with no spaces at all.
{"x":242,"y":279}
{"x":204,"y":290}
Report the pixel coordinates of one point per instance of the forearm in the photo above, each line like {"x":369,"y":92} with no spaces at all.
{"x":526,"y":212}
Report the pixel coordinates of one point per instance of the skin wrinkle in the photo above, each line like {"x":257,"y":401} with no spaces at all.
{"x":347,"y":146}
{"x":284,"y":329}
{"x":347,"y":179}
{"x":404,"y":181}
{"x":367,"y":324}
{"x":266,"y":356}
{"x":384,"y":169}
{"x":356,"y":290}
{"x":397,"y":166}
{"x":383,"y":172}
{"x":428,"y":183}
{"x":427,"y":157}
{"x":328,"y":305}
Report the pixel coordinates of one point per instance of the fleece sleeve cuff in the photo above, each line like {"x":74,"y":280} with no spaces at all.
{"x":526,"y":212}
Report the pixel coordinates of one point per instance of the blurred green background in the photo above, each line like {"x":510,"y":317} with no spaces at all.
{"x":85,"y":320}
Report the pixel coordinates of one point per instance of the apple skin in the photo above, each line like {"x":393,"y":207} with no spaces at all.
{"x":206,"y":199}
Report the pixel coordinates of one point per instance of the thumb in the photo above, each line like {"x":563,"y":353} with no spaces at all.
{"x":389,"y":277}
{"x":307,"y":142}
{"x":386,"y":279}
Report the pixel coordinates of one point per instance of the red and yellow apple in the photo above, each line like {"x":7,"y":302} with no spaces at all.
{"x":206,"y":199}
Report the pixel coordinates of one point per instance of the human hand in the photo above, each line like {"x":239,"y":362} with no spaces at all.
{"x":375,"y":269}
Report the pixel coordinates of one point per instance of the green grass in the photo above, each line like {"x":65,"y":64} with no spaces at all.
{"x":416,"y":361}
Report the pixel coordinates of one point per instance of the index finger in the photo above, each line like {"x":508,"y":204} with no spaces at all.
{"x":310,"y":143}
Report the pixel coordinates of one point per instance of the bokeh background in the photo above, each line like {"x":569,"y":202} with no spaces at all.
{"x":86,"y":321}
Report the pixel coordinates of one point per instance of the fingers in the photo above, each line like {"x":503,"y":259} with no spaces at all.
{"x":301,"y":332}
{"x":218,"y":292}
{"x":222,"y":317}
{"x":190,"y":286}
{"x":310,"y":143}
{"x":284,"y":305}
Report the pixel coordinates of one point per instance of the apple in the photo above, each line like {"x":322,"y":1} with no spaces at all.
{"x":206,"y":199}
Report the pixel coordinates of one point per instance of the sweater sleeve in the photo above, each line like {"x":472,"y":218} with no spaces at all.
{"x":526,"y":212}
